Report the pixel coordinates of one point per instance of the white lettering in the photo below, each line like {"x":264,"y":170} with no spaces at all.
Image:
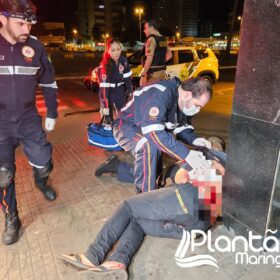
{"x":227,"y":248}
{"x":274,"y":248}
{"x":194,"y":242}
{"x":245,"y":243}
{"x":241,"y":254}
{"x":251,"y":246}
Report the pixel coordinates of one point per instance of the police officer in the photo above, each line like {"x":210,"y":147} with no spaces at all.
{"x":156,"y":54}
{"x":146,"y":125}
{"x":115,"y":78}
{"x":23,"y":66}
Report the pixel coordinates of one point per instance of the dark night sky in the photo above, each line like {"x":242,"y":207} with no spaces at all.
{"x":56,"y":10}
{"x":65,"y":10}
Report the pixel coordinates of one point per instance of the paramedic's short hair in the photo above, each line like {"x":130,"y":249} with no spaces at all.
{"x":197,"y":86}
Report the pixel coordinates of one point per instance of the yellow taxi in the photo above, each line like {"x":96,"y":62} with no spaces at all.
{"x":186,"y":62}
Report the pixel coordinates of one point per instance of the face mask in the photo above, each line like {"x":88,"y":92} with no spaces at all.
{"x":191,"y":111}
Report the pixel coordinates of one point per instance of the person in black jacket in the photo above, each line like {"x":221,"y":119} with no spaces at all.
{"x":24,"y":65}
{"x":115,"y":79}
{"x":157,"y":53}
{"x":165,"y":213}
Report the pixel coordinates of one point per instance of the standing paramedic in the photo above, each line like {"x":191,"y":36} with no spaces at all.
{"x":115,"y":79}
{"x":146,"y":125}
{"x":156,"y":54}
{"x":23,"y":66}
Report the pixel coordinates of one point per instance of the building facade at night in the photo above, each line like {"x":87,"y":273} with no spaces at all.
{"x":177,"y":15}
{"x":97,"y":18}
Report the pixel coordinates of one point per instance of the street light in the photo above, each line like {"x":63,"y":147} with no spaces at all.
{"x":239,"y":18}
{"x":75,"y":35}
{"x":105,"y":37}
{"x":139,"y":11}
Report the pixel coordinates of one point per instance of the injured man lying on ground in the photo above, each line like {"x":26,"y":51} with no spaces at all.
{"x":192,"y":203}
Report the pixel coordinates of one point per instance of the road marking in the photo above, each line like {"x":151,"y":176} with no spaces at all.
{"x":59,"y":78}
{"x":227,"y":67}
{"x":41,"y":106}
{"x":59,"y":108}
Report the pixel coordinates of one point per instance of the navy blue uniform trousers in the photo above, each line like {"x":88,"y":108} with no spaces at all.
{"x":27,"y":130}
{"x":146,"y":156}
{"x":156,"y":213}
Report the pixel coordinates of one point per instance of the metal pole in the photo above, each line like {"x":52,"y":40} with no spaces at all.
{"x":140,"y":26}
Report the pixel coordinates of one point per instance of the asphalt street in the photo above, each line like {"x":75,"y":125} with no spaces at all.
{"x":75,"y":100}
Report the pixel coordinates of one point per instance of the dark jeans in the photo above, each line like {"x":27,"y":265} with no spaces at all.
{"x":156,"y":213}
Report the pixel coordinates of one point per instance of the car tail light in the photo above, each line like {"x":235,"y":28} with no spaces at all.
{"x":94,"y":76}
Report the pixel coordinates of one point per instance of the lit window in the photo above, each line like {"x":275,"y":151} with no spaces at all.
{"x":101,"y":6}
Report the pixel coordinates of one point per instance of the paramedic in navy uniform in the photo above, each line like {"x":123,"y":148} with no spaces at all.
{"x":147,"y":124}
{"x":23,"y":66}
{"x":115,"y":79}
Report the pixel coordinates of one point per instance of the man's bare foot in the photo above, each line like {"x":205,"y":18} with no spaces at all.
{"x":112,"y":265}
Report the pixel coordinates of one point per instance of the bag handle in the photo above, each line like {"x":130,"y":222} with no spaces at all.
{"x":105,"y":120}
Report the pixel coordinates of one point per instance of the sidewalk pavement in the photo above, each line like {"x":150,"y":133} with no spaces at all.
{"x":84,"y":202}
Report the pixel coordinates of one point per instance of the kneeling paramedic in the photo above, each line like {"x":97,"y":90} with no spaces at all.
{"x":23,"y":66}
{"x":146,"y":125}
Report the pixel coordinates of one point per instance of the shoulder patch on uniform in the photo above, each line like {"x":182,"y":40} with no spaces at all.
{"x":121,"y":68}
{"x":154,"y":112}
{"x":28,"y":52}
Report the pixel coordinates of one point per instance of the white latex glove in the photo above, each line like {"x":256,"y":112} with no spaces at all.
{"x":105,"y":111}
{"x":198,"y":162}
{"x":50,"y":124}
{"x":202,"y":142}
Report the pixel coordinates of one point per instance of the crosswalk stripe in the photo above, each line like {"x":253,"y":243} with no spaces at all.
{"x":59,"y":108}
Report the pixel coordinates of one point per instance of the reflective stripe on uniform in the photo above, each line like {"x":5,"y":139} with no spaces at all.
{"x":152,"y":127}
{"x":18,"y":70}
{"x":26,"y":70}
{"x":53,"y":85}
{"x":126,"y":75}
{"x":157,"y":86}
{"x":139,"y":144}
{"x":6,"y":70}
{"x":108,"y":85}
{"x":181,"y":128}
{"x":104,"y":85}
{"x":140,"y":91}
{"x":37,"y":166}
{"x":181,"y":202}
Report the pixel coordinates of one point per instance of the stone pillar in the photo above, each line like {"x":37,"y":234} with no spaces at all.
{"x":252,"y":188}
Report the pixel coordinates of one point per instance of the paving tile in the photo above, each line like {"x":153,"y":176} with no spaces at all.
{"x":69,"y":224}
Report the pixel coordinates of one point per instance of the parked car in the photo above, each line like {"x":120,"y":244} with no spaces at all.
{"x":91,"y":81}
{"x":186,"y":62}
